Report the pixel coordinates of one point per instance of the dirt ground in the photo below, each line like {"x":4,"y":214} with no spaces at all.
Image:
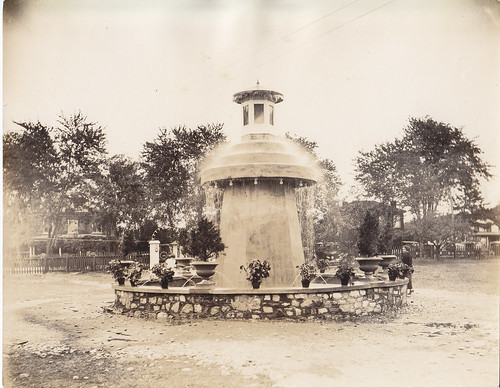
{"x":58,"y":332}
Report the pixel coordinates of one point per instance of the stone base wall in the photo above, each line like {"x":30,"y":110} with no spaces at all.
{"x":328,"y":303}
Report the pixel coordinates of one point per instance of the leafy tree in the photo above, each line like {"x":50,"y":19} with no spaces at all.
{"x":486,"y":213}
{"x":171,"y":164}
{"x":327,"y":189}
{"x":53,"y":171}
{"x":128,"y":242}
{"x":28,"y":159}
{"x":440,"y":230}
{"x":323,"y":210}
{"x":351,"y":217}
{"x":121,"y":203}
{"x":432,"y":165}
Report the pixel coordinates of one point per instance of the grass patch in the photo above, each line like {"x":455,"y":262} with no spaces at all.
{"x":462,"y":275}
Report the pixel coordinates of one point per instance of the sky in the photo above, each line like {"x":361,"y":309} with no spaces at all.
{"x":352,"y":72}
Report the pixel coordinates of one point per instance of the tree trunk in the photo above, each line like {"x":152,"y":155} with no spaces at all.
{"x":438,"y":252}
{"x":51,"y":239}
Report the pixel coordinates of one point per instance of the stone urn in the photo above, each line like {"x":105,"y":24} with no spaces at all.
{"x":387,"y":260}
{"x":368,"y":265}
{"x":205,"y":270}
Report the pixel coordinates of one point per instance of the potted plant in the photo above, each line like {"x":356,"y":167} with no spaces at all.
{"x":367,"y":245}
{"x":322,"y":262}
{"x":256,"y":271}
{"x":345,"y":271}
{"x":164,"y":272}
{"x":134,"y":273}
{"x":205,"y":244}
{"x":393,"y":271}
{"x":118,"y":271}
{"x":307,"y":273}
{"x":399,"y":270}
{"x":405,"y":271}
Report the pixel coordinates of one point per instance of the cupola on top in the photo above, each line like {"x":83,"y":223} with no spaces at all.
{"x":258,"y":109}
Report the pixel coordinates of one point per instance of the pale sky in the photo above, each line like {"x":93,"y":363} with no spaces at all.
{"x":351,"y":72}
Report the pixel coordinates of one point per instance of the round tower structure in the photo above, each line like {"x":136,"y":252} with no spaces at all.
{"x":259,"y":176}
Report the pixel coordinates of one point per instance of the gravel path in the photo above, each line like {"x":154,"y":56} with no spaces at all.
{"x":57,"y":333}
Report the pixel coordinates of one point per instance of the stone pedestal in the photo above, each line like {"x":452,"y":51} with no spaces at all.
{"x":154,"y":253}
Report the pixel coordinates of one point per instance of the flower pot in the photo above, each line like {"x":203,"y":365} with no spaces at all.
{"x":255,"y":285}
{"x":205,"y":269}
{"x":368,"y":265}
{"x":121,"y":281}
{"x":392,"y":277}
{"x":164,"y":283}
{"x":305,"y":283}
{"x":345,"y":280}
{"x":132,"y":283}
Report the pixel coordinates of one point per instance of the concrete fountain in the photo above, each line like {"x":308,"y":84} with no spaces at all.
{"x":257,"y":180}
{"x":258,"y":177}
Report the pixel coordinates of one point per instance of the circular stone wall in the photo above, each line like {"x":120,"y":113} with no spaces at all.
{"x":324,"y":302}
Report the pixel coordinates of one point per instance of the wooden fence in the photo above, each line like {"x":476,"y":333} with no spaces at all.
{"x":65,"y":263}
{"x":459,"y":251}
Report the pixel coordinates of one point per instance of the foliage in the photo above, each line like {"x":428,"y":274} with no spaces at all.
{"x":368,"y":235}
{"x":350,"y":218}
{"x":81,"y":246}
{"x":121,"y":206}
{"x":51,"y":172}
{"x":486,"y":213}
{"x":321,"y":261}
{"x":326,"y":224}
{"x":324,"y":208}
{"x":171,"y":164}
{"x":202,"y":241}
{"x":256,"y":270}
{"x":307,"y":271}
{"x":163,"y":271}
{"x":386,"y":235}
{"x":128,"y":243}
{"x":137,"y":240}
{"x":433,"y":164}
{"x":134,"y":272}
{"x":28,"y":157}
{"x":399,"y":270}
{"x":439,"y":230}
{"x":345,"y":270}
{"x":117,"y":269}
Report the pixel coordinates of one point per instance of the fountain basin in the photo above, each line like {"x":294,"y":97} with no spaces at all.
{"x":329,"y":302}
